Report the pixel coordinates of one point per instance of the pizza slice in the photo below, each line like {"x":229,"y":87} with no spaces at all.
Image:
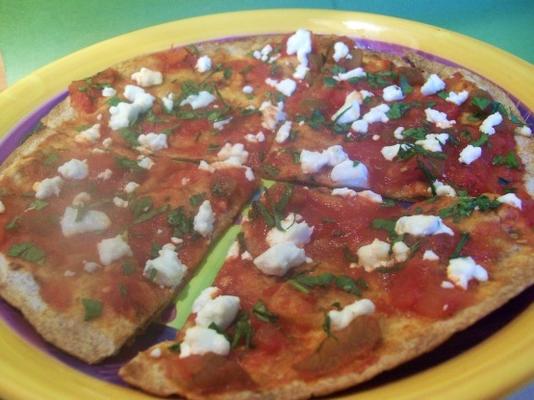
{"x":325,"y":289}
{"x":405,"y":127}
{"x":95,"y":244}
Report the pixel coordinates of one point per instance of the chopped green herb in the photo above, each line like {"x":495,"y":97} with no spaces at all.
{"x":386,"y":202}
{"x":128,"y":267}
{"x":408,"y":150}
{"x":429,"y":176}
{"x":227,"y":73}
{"x":508,"y":160}
{"x":326,"y":325}
{"x":197,"y":199}
{"x":27,"y":251}
{"x":350,"y":285}
{"x":175,"y":348}
{"x":387,"y":225}
{"x":51,"y":159}
{"x":140,"y":206}
{"x":243,"y":331}
{"x":305,"y":283}
{"x":397,"y":110}
{"x":415,"y":133}
{"x":465,"y":206}
{"x":123,"y":290}
{"x":405,"y":85}
{"x":259,"y":208}
{"x":459,"y":247}
{"x":126,"y":163}
{"x":443,"y":94}
{"x":13,"y":224}
{"x":381,"y":79}
{"x":92,"y":309}
{"x":481,"y":141}
{"x":261,"y":312}
{"x":329,"y":81}
{"x":181,"y":223}
{"x":481,"y":102}
{"x":38,"y":204}
{"x":316,"y":119}
{"x":113,"y":101}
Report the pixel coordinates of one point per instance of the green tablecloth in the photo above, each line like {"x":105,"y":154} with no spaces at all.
{"x":36,"y":32}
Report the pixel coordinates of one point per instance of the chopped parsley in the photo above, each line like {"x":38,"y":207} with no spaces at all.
{"x":270,"y":170}
{"x":243,"y":331}
{"x":175,"y":347}
{"x":197,"y":199}
{"x":13,"y":224}
{"x":508,"y":160}
{"x":180,"y":222}
{"x":381,"y":79}
{"x":128,"y":267}
{"x":38,"y":204}
{"x":127,"y":164}
{"x":92,"y":308}
{"x":481,"y":141}
{"x":459,"y":247}
{"x":261,"y":312}
{"x":397,"y":110}
{"x":408,"y":150}
{"x":129,"y":136}
{"x":405,"y":85}
{"x":389,"y":226}
{"x":27,"y":251}
{"x":328,"y":81}
{"x":415,"y":133}
{"x":465,"y":206}
{"x":305,"y":283}
{"x":327,"y":325}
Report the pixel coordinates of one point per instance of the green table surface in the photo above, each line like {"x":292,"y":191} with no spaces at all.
{"x":34,"y":33}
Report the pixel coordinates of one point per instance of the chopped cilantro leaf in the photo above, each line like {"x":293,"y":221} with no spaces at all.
{"x":243,"y":331}
{"x":38,"y":204}
{"x":459,"y":247}
{"x":261,"y":312}
{"x":196,"y":199}
{"x":405,"y":85}
{"x":509,"y":160}
{"x":27,"y":251}
{"x":465,"y":206}
{"x":481,"y":141}
{"x":397,"y":110}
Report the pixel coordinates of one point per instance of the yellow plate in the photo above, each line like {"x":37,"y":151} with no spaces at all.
{"x":491,"y":369}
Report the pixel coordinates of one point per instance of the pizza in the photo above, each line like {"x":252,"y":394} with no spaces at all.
{"x":401,"y":213}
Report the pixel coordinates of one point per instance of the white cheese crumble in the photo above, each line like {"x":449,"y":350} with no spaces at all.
{"x":145,"y":162}
{"x":341,"y":51}
{"x":204,"y":220}
{"x":488,"y":125}
{"x":113,"y":249}
{"x":74,"y":169}
{"x":443,"y":190}
{"x":108,"y":91}
{"x":203,"y":64}
{"x":461,"y":270}
{"x":255,"y":138}
{"x":249,"y":174}
{"x":344,"y":192}
{"x":353,"y":73}
{"x":438,"y":118}
{"x":90,"y":266}
{"x":350,"y":173}
{"x":433,"y":141}
{"x":263,"y":54}
{"x":91,"y":221}
{"x":280,"y":258}
{"x":107,"y":142}
{"x":124,"y":114}
{"x":232,"y":155}
{"x":392,"y":93}
{"x":380,"y":254}
{"x":199,"y":340}
{"x":397,"y":133}
{"x":350,"y":110}
{"x":121,"y":203}
{"x":523,"y":131}
{"x":90,"y":135}
{"x":222,"y":310}
{"x":422,"y":225}
{"x":283,"y":132}
{"x":246,"y":256}
{"x":432,"y":85}
{"x":219,"y":125}
{"x":377,"y":114}
{"x":272,"y":114}
{"x":105,"y":175}
{"x":153,"y":141}
{"x":247,"y":89}
{"x":457,"y":98}
{"x":360,"y":126}
{"x":390,"y":152}
{"x":447,"y":285}
{"x":2,"y":207}
{"x":371,"y":196}
{"x":286,"y":86}
{"x":342,"y":318}
{"x":429,"y":255}
{"x":81,"y":199}
{"x":469,"y":154}
{"x":168,"y":102}
{"x":155,"y":352}
{"x":314,"y":161}
{"x":146,"y":77}
{"x":295,"y":231}
{"x":130,"y":187}
{"x":169,"y":270}
{"x":200,"y":100}
{"x":511,"y":199}
{"x":48,"y":187}
{"x":207,"y":295}
{"x":300,"y":43}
